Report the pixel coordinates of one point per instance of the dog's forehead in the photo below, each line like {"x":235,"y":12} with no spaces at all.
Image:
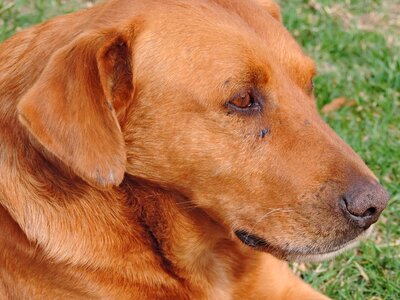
{"x":218,"y":43}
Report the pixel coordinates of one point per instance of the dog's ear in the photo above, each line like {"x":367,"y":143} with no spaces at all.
{"x":72,"y":108}
{"x":272,"y":8}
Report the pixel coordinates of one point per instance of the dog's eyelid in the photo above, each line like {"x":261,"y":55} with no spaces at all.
{"x":245,"y":102}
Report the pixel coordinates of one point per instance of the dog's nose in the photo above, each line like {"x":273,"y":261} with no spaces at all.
{"x":364,"y":203}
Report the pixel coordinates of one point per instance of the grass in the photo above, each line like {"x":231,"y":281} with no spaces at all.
{"x":356,"y":47}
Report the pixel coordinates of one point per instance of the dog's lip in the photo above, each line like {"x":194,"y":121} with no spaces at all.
{"x":323,"y":256}
{"x":303,"y":254}
{"x":251,"y":240}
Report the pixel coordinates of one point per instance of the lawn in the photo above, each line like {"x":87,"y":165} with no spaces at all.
{"x":356,"y":45}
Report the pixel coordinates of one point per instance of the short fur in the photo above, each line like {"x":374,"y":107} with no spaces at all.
{"x":124,"y":173}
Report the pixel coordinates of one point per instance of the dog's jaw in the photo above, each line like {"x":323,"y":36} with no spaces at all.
{"x":299,"y":254}
{"x":330,"y":255}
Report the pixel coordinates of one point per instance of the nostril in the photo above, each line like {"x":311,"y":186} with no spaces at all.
{"x":361,"y":217}
{"x":345,"y":207}
{"x":344,"y":202}
{"x":357,"y":212}
{"x":369,"y":212}
{"x":363,"y":203}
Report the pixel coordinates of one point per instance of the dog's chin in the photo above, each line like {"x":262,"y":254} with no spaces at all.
{"x":301,"y":254}
{"x":330,"y":253}
{"x":318,"y":257}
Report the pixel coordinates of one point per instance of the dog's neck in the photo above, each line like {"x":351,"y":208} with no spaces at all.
{"x":137,"y":232}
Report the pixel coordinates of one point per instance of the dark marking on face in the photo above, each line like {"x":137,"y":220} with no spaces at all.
{"x":264,"y":133}
{"x":251,"y":240}
{"x":307,"y":123}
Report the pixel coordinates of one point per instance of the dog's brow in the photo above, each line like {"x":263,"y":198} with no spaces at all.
{"x":248,"y":78}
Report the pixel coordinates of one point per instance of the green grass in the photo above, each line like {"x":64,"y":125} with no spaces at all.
{"x":17,"y":14}
{"x":355,"y":45}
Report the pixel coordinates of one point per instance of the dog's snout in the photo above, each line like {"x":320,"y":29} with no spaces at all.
{"x":364,"y":202}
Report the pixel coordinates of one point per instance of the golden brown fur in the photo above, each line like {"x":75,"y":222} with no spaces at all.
{"x":125,"y":171}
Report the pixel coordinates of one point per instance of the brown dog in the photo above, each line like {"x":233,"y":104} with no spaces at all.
{"x":149,"y":148}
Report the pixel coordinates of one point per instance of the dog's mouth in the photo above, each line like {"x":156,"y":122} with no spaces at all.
{"x":300,"y":254}
{"x":252,"y":240}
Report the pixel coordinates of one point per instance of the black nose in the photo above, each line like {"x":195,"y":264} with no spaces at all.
{"x":364,"y":203}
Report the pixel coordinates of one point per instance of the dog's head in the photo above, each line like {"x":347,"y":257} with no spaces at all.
{"x":215,"y":100}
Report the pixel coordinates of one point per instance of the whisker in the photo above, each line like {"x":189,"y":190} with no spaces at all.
{"x":269,"y":213}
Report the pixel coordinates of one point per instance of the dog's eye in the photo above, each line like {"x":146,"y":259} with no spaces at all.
{"x":244,"y":101}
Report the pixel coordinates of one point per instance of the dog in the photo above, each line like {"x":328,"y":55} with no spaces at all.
{"x":169,"y":149}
